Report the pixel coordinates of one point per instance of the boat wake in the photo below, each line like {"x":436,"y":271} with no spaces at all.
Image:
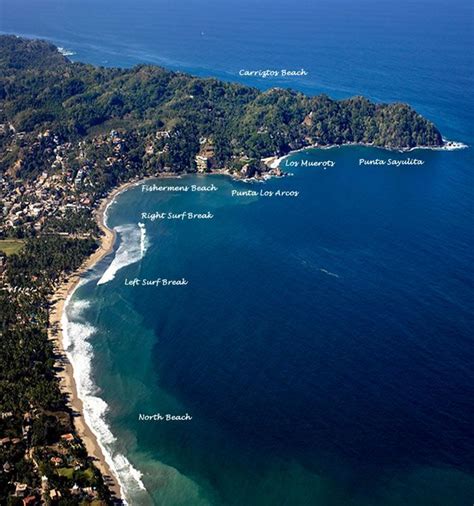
{"x":76,"y":337}
{"x":133,"y":246}
{"x":329,"y":273}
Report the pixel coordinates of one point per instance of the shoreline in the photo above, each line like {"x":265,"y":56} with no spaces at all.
{"x":64,"y":368}
{"x":66,"y":288}
{"x":275,"y":161}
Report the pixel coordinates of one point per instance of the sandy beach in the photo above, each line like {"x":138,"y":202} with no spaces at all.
{"x":64,"y":367}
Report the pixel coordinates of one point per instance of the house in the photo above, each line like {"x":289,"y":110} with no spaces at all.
{"x":90,"y":492}
{"x":20,"y":489}
{"x":44,"y":483}
{"x":202,"y":163}
{"x":162,"y":134}
{"x":55,"y":495}
{"x":75,"y":490}
{"x":205,"y":157}
{"x":68,"y":438}
{"x":57,"y":461}
{"x":4,"y":441}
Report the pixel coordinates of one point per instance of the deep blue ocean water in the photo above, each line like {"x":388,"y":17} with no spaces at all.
{"x":324,"y":344}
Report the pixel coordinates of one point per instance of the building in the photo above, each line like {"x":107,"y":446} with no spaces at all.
{"x":204,"y":159}
{"x":68,"y":438}
{"x":20,"y":489}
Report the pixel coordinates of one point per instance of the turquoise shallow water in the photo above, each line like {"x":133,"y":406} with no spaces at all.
{"x":323,"y":345}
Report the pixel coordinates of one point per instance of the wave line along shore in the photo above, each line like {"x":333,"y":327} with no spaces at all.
{"x":57,"y":319}
{"x":64,"y":292}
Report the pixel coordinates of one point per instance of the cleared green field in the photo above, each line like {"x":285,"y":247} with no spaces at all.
{"x":68,"y":472}
{"x":11,"y":246}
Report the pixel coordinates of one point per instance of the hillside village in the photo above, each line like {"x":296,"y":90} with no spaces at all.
{"x":66,"y":187}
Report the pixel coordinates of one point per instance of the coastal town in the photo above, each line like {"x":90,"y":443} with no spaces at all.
{"x":27,"y":204}
{"x":71,"y":135}
{"x":65,"y":187}
{"x":60,"y":203}
{"x":61,"y":189}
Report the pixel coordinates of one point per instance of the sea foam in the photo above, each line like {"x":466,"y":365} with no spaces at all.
{"x":133,"y":246}
{"x":76,"y":336}
{"x":66,"y":52}
{"x":329,"y":273}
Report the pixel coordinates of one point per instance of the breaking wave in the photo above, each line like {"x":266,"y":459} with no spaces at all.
{"x":133,"y":246}
{"x":76,"y":336}
{"x":66,"y":52}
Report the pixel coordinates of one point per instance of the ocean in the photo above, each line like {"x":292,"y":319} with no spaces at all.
{"x":320,"y":349}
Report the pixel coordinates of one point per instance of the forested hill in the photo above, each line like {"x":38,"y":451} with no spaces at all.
{"x":69,"y":132}
{"x":172,"y":116}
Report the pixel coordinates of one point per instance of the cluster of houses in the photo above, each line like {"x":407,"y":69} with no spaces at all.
{"x":25,"y":429}
{"x":36,"y":496}
{"x":30,"y":203}
{"x":60,"y":456}
{"x":58,"y":189}
{"x":205,"y":158}
{"x":63,"y":186}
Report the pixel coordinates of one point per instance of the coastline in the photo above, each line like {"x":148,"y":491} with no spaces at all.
{"x":64,"y":368}
{"x":404,"y":58}
{"x":275,"y":161}
{"x":67,"y":287}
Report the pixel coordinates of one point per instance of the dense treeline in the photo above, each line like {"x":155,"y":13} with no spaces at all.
{"x":94,"y":128}
{"x":40,"y":90}
{"x":79,"y":222}
{"x":33,"y":412}
{"x":46,"y":259}
{"x":26,"y":356}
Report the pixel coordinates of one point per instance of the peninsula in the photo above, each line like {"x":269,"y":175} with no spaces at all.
{"x":100,"y":126}
{"x":69,"y":134}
